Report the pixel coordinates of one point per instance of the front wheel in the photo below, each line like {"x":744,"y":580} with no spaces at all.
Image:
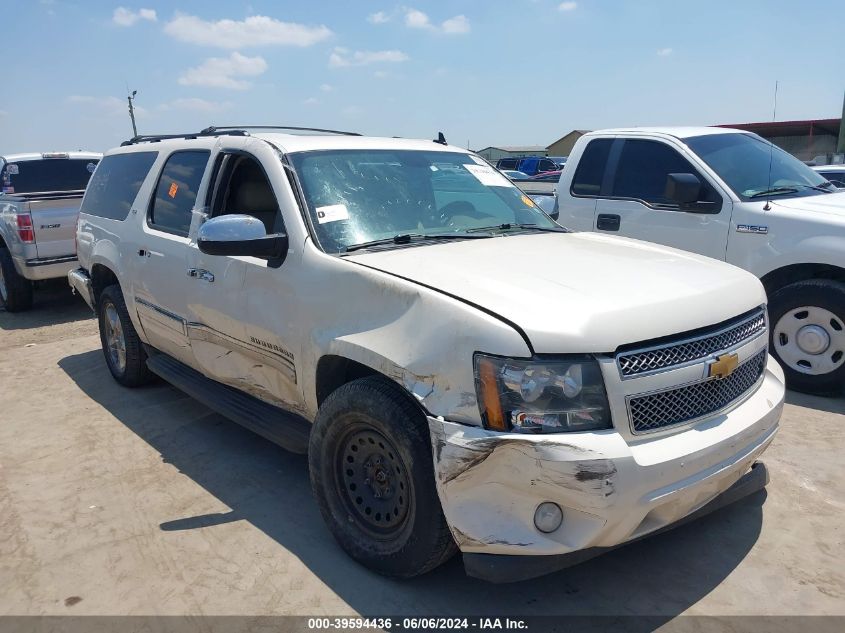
{"x":122,"y":347}
{"x":372,"y":474}
{"x":808,"y":335}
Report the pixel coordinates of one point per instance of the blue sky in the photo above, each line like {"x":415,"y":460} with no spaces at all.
{"x":482,"y":71}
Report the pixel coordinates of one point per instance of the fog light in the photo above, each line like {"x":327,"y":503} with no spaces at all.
{"x":548,"y":517}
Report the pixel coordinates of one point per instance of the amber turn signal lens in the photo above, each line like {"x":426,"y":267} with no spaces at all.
{"x":490,"y":399}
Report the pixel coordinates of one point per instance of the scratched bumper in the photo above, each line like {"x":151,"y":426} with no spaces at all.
{"x":611,"y":492}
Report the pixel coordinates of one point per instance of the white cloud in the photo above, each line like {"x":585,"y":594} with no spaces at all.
{"x":326,"y":88}
{"x":379,"y":17}
{"x":256,"y":30}
{"x":194,"y":104}
{"x":127,"y":17}
{"x":567,"y":6}
{"x":664,"y":52}
{"x":416,"y":19}
{"x":311,"y":101}
{"x":341,"y":57}
{"x":455,"y":26}
{"x":224,"y":72}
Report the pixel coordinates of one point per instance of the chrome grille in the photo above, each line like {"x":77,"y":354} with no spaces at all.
{"x":675,"y":406}
{"x":678,"y":353}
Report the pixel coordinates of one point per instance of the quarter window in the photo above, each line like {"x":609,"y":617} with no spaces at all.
{"x":176,"y":192}
{"x":590,"y":171}
{"x":115,"y":184}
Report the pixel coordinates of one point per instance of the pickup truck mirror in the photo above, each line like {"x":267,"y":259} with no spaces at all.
{"x":683,"y":188}
{"x":240,"y":235}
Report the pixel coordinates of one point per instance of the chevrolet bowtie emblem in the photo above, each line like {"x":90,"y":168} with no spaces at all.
{"x":723,"y":366}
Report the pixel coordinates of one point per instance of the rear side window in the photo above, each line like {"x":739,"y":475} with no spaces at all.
{"x":115,"y":184}
{"x":508,"y":163}
{"x":547,"y":165}
{"x":590,"y":172}
{"x":643,"y":169}
{"x":47,"y":175}
{"x":176,"y":192}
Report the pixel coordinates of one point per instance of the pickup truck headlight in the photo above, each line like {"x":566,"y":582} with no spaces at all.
{"x":540,"y":396}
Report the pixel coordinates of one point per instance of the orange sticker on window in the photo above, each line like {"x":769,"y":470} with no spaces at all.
{"x":527,"y":201}
{"x":173,"y":189}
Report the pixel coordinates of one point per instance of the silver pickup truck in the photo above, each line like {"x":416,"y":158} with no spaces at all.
{"x":40,"y":196}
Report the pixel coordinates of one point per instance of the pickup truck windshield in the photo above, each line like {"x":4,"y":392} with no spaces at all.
{"x":47,"y":175}
{"x":742,"y":161}
{"x":359,"y":196}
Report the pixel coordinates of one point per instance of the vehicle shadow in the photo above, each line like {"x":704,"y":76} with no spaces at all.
{"x":269,"y":488}
{"x":820,"y":403}
{"x":53,"y":303}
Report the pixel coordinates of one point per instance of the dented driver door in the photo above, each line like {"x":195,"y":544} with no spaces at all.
{"x":226,"y":292}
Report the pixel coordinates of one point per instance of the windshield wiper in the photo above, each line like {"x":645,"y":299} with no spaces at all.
{"x":407,"y":238}
{"x":517,"y":226}
{"x":774,"y":191}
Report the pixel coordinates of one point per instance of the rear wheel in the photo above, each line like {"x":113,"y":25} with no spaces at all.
{"x":808,"y":335}
{"x":372,"y":474}
{"x":122,"y":348}
{"x":15,"y":291}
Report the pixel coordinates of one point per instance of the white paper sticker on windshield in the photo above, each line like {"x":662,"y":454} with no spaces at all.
{"x":478,"y":159}
{"x":332,"y":213}
{"x":486,"y":175}
{"x":12,"y":170}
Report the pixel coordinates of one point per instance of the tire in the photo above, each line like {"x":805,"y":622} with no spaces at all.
{"x":129,"y":364}
{"x":811,"y":313}
{"x":385,"y":514}
{"x":15,"y":291}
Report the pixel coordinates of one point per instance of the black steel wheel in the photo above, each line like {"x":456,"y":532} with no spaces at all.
{"x":372,"y":474}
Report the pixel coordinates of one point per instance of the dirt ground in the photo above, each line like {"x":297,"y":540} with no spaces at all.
{"x":117,"y":501}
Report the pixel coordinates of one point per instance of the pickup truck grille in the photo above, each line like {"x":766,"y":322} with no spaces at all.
{"x":675,"y":353}
{"x":654,"y":411}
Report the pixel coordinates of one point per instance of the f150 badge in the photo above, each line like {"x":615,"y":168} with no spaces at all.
{"x":752,"y":228}
{"x":50,"y":226}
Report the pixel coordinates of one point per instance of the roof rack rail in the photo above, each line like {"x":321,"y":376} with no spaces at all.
{"x":154,"y":138}
{"x":217,"y":129}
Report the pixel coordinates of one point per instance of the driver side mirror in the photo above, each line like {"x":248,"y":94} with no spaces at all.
{"x":240,"y":235}
{"x":683,"y":188}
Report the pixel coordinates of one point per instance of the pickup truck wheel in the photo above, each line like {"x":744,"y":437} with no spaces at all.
{"x":122,"y":348}
{"x":15,"y":291}
{"x":808,"y":335}
{"x":372,"y":474}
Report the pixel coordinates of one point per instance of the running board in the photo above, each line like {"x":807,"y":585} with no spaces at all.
{"x":288,"y":430}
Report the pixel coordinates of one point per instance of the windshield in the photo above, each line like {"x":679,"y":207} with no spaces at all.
{"x":742,"y":161}
{"x":358,"y":196}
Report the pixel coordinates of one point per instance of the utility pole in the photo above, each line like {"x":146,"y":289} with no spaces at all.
{"x":130,"y":98}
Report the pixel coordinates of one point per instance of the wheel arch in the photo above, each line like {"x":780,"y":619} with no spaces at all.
{"x":101,"y":277}
{"x":780,"y":277}
{"x":334,"y":371}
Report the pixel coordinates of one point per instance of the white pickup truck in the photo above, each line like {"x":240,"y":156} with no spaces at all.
{"x":730,"y":195}
{"x":462,"y":372}
{"x":39,"y":204}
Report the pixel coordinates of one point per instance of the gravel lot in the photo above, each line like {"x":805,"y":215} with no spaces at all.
{"x":116,"y":501}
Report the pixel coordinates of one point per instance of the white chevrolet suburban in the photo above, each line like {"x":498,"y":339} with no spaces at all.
{"x":462,"y":372}
{"x":39,"y":203}
{"x":733,"y":196}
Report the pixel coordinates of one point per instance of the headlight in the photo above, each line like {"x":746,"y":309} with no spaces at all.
{"x":538,"y":396}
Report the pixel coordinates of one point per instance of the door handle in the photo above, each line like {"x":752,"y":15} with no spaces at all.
{"x":143,"y":252}
{"x":201,"y":273}
{"x":608,"y":222}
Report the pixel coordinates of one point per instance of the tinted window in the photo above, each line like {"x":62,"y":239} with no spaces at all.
{"x":588,"y":176}
{"x":115,"y":184}
{"x":49,"y":174}
{"x":176,"y":192}
{"x":643,"y":169}
{"x":836,"y":177}
{"x":547,"y":165}
{"x":507,"y":163}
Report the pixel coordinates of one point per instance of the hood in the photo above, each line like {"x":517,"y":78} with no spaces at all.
{"x":829,"y":203}
{"x":579,"y":292}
